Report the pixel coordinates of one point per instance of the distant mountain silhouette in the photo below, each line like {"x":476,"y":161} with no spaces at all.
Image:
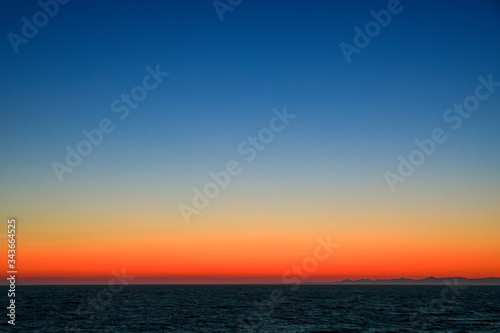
{"x":491,"y":281}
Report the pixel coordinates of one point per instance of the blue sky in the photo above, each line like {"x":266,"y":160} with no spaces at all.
{"x":259,"y":57}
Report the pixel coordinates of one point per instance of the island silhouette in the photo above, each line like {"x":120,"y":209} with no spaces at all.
{"x":490,"y":281}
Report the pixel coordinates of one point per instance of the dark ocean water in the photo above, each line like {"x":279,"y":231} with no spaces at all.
{"x":255,"y":308}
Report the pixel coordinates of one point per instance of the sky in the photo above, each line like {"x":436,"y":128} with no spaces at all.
{"x":321,"y":174}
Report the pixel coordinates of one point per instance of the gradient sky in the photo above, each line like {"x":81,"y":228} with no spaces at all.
{"x":323,"y":175}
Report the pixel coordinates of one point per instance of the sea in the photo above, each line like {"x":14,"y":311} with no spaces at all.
{"x":254,"y":308}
